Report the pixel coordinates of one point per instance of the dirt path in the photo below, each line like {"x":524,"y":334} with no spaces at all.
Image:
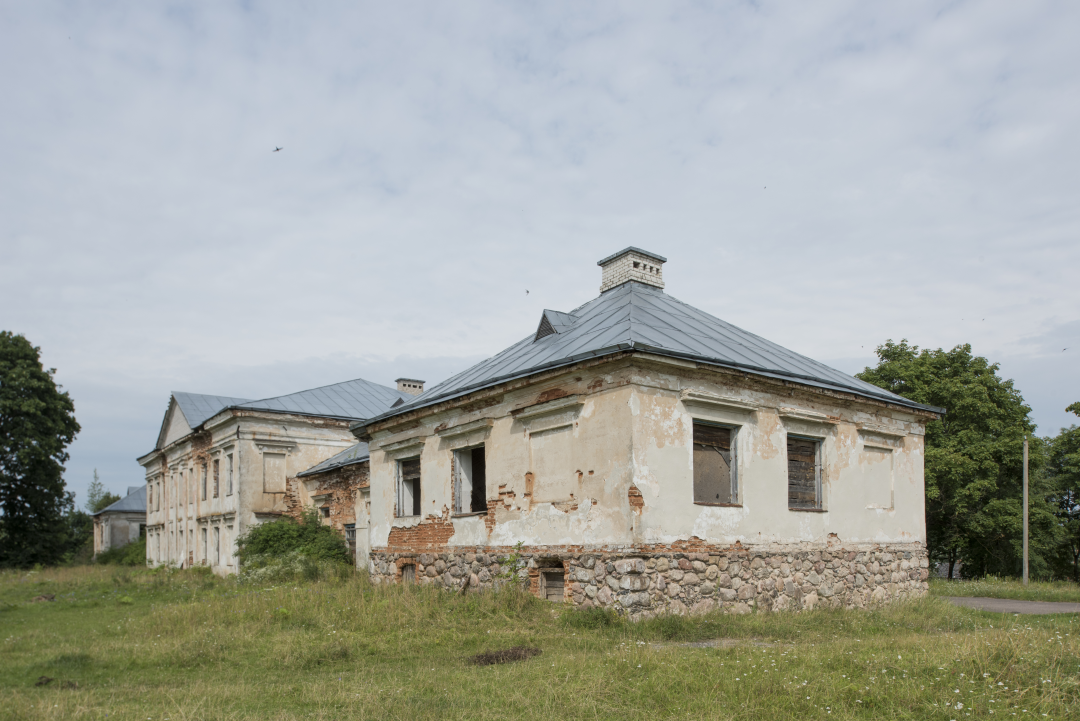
{"x":1008,"y":605}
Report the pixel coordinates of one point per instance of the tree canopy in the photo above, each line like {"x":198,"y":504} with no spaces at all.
{"x":37,"y":424}
{"x":974,"y":459}
{"x":1063,"y":473}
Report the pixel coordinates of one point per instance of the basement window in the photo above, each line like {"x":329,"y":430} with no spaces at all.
{"x":804,"y":473}
{"x":408,"y":573}
{"x":470,"y":481}
{"x":408,"y":491}
{"x":552,"y":584}
{"x":715,"y":477}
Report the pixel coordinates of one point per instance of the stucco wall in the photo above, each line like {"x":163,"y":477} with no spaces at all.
{"x":628,"y":430}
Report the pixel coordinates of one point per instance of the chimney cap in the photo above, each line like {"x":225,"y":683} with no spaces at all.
{"x":631,"y":249}
{"x":409,"y":380}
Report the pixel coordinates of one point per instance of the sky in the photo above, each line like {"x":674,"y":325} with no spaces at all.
{"x":828,"y":175}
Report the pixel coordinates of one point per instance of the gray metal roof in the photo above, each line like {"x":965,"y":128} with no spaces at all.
{"x":636,"y":316}
{"x":131,"y":503}
{"x":198,"y":408}
{"x":353,"y":454}
{"x":353,"y":400}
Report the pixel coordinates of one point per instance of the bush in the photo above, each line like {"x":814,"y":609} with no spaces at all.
{"x":133,"y":554}
{"x":309,"y":538}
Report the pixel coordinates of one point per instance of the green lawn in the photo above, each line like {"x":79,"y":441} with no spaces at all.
{"x":182,"y":645}
{"x":1008,"y":588}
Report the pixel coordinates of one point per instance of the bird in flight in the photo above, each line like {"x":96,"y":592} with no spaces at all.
{"x":526,"y":292}
{"x":276,"y":149}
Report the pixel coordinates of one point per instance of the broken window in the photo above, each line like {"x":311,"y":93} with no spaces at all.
{"x":203,"y":468}
{"x":804,"y":473}
{"x":217,"y":545}
{"x":217,"y":475}
{"x":204,"y":556}
{"x":470,"y":481}
{"x":408,"y":495}
{"x":228,"y":475}
{"x":324,"y":510}
{"x":715,"y":479}
{"x":408,"y":573}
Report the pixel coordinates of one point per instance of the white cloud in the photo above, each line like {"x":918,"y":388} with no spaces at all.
{"x":827,"y":175}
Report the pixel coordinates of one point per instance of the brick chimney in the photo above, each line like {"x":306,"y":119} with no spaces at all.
{"x":632,"y":264}
{"x":410,"y":385}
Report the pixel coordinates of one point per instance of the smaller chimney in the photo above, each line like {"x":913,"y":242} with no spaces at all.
{"x":410,"y":385}
{"x":632,"y":264}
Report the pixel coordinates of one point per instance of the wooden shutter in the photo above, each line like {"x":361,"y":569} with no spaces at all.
{"x":553,"y":585}
{"x":802,"y":455}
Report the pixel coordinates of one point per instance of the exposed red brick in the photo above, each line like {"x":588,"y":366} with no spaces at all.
{"x":432,"y":532}
{"x":637,"y":501}
{"x":551,"y":394}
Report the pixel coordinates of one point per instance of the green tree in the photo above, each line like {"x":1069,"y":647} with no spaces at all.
{"x":1063,"y":472}
{"x":37,"y":423}
{"x":97,"y":498}
{"x":974,"y":459}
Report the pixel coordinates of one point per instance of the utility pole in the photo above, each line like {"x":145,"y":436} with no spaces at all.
{"x":1025,"y":509}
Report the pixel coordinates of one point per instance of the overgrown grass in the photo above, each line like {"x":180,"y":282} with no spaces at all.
{"x":184,"y":645}
{"x":994,"y":587}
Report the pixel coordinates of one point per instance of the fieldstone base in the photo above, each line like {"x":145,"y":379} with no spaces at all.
{"x":649,"y":581}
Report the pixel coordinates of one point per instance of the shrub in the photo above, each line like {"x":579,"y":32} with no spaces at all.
{"x":133,"y":554}
{"x":285,"y":549}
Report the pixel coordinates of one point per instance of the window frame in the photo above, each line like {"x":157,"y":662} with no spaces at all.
{"x":819,"y":464}
{"x":400,"y":486}
{"x":458,"y":484}
{"x":229,"y":476}
{"x":736,"y":489}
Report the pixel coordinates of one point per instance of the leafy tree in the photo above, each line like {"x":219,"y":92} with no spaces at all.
{"x":308,"y":536}
{"x":974,"y":459}
{"x":37,"y":423}
{"x":97,"y":498}
{"x":1063,"y":472}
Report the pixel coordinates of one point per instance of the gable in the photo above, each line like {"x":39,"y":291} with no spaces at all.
{"x":175,"y":425}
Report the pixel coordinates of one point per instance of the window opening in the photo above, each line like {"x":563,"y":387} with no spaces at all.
{"x":228,"y":478}
{"x":470,"y":480}
{"x":804,"y":473}
{"x":217,"y":476}
{"x":408,"y":502}
{"x":324,"y":510}
{"x":204,"y":481}
{"x":714,"y":467}
{"x":205,"y":556}
{"x":350,"y":537}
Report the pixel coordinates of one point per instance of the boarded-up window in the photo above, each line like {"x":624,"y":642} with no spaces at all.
{"x":714,"y":474}
{"x":408,"y":496}
{"x":273,"y":473}
{"x":552,"y":584}
{"x":804,"y":472}
{"x":554,"y":473}
{"x":408,"y":573}
{"x":470,"y":480}
{"x":876,"y":467}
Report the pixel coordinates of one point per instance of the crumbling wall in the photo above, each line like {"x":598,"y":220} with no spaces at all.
{"x":688,"y":578}
{"x":342,"y":485}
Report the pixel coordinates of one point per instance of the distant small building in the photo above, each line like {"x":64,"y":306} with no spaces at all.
{"x":121,"y":523}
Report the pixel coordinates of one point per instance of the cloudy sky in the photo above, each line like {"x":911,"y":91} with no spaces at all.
{"x":826,"y":174}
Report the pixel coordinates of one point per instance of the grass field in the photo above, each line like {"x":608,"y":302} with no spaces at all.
{"x":183,"y":645}
{"x":1008,"y":588}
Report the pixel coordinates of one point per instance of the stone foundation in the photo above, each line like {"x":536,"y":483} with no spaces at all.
{"x":646,"y":582}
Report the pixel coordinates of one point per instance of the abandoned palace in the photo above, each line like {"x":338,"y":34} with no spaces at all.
{"x":634,"y":453}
